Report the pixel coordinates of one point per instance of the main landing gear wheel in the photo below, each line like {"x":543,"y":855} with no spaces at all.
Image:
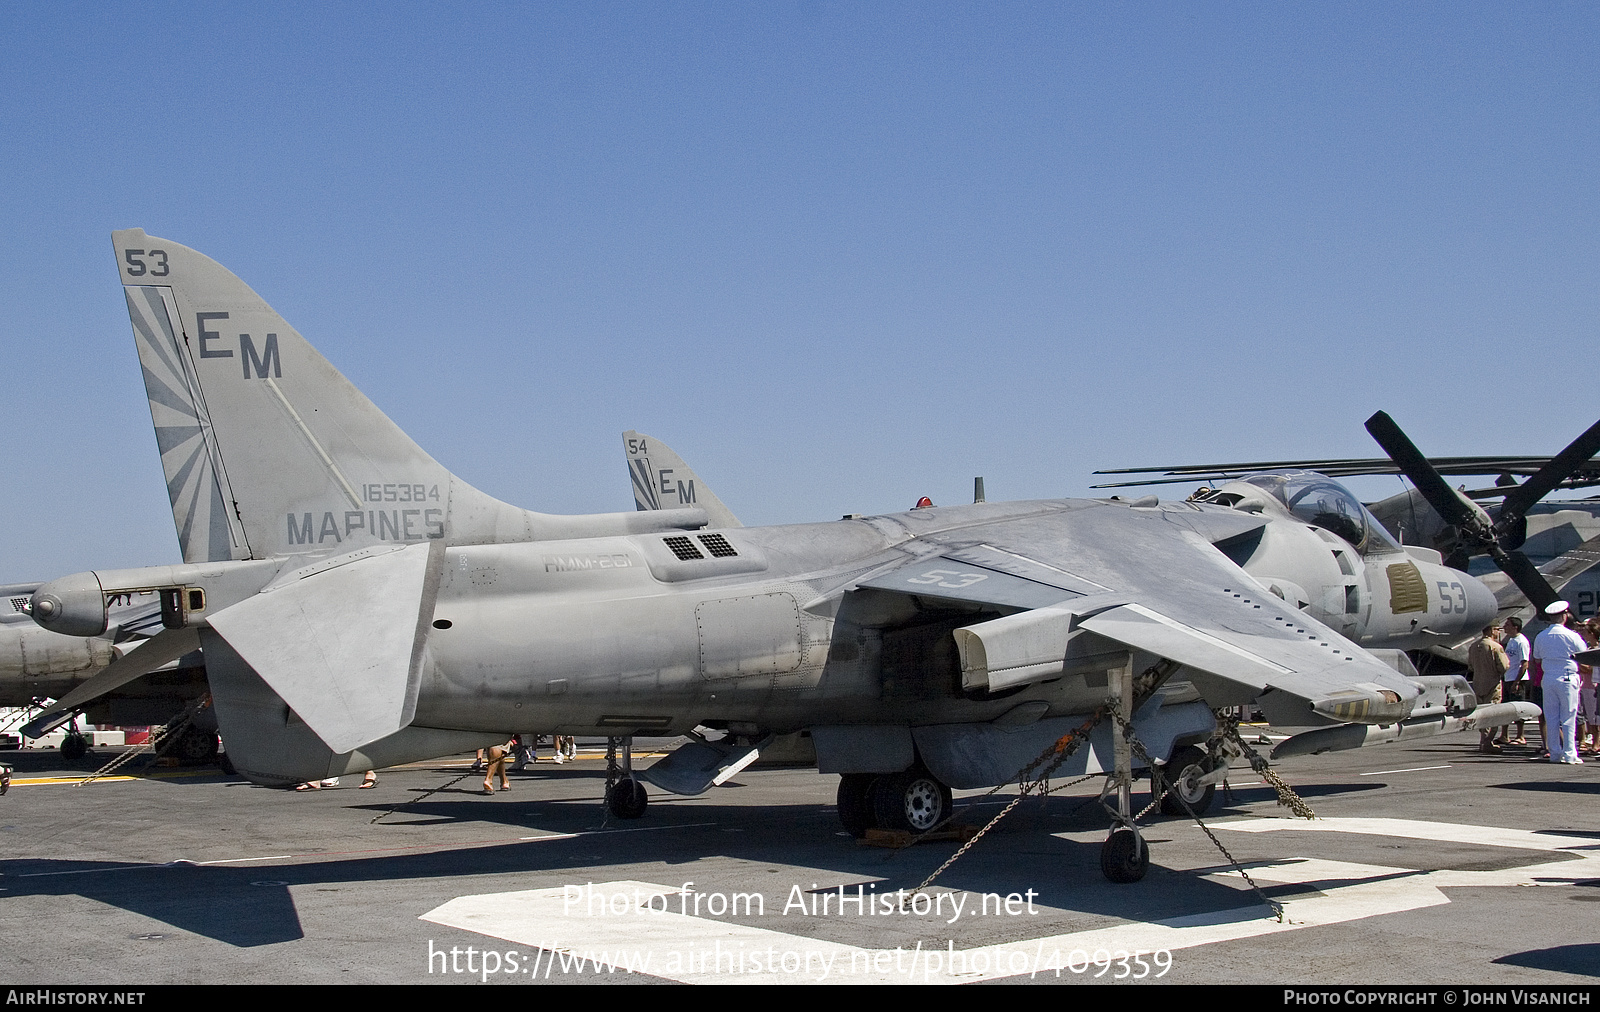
{"x":1124,"y":857}
{"x":1183,"y":772}
{"x":914,"y":800}
{"x":195,"y":746}
{"x":855,"y":802}
{"x":627,"y":798}
{"x":74,"y":747}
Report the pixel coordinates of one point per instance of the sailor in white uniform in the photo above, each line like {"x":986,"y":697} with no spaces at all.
{"x":1555,"y":648}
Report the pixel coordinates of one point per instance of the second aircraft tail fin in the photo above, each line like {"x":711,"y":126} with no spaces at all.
{"x":661,"y":480}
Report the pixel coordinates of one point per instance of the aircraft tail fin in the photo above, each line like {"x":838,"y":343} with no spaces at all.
{"x":268,"y":450}
{"x":661,"y":480}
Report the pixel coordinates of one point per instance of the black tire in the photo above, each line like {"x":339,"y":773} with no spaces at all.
{"x":627,"y":799}
{"x":855,"y":803}
{"x":1124,"y":857}
{"x":74,"y":747}
{"x":1186,"y":766}
{"x":195,"y":746}
{"x":914,"y":801}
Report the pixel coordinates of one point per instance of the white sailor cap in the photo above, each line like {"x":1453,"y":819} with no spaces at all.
{"x":1557,"y":608}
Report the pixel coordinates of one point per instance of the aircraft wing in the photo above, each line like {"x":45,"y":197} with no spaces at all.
{"x":1150,"y":580}
{"x":164,"y":647}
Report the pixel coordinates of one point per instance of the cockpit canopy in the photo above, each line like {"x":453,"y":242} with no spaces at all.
{"x":1322,"y":502}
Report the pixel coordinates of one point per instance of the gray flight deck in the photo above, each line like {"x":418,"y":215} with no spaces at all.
{"x":1433,"y":864}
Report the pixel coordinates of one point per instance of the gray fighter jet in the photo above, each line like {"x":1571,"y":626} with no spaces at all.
{"x":360,"y":606}
{"x":37,"y":665}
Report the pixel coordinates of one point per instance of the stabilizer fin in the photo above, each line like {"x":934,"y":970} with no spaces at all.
{"x":343,"y":647}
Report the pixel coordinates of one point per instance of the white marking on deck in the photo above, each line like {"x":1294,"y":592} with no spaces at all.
{"x":682,"y":947}
{"x":1409,"y":769}
{"x":1411,"y":829}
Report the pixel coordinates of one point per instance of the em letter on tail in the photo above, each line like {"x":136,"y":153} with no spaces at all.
{"x":269,"y":451}
{"x":661,"y":480}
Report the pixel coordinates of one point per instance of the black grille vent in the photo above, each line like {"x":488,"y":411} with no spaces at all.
{"x":717,"y":545}
{"x":19,"y":603}
{"x":683,"y":548}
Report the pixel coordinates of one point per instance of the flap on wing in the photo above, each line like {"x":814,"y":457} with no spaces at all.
{"x":1033,"y":645}
{"x":1002,"y":561}
{"x":1345,"y":684}
{"x":1149,"y":630}
{"x":341,"y":646}
{"x":1568,"y":566}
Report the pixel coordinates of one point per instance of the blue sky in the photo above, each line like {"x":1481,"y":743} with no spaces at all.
{"x":838,"y":255}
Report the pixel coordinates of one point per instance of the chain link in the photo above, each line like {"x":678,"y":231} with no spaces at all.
{"x":1159,"y":788}
{"x":426,"y":794}
{"x":162,"y":737}
{"x":1058,"y":752}
{"x":1286,"y":795}
{"x":1055,"y":754}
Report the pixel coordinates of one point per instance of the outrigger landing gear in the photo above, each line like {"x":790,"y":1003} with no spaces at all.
{"x":74,"y":746}
{"x":195,"y":746}
{"x":625,"y":796}
{"x":1124,"y":856}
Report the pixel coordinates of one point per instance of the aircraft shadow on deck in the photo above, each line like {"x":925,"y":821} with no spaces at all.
{"x":1553,"y":786}
{"x":1256,"y":795}
{"x":1583,"y":959}
{"x":253,"y":906}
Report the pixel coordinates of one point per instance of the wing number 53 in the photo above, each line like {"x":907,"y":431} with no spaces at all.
{"x":950,"y":579}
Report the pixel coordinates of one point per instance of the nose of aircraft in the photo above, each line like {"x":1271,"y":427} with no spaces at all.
{"x":1481,"y":605}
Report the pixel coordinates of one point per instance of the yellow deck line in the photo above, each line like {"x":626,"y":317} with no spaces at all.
{"x":36,"y":781}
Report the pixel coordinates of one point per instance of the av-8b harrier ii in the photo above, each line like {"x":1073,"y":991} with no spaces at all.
{"x":921,"y":651}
